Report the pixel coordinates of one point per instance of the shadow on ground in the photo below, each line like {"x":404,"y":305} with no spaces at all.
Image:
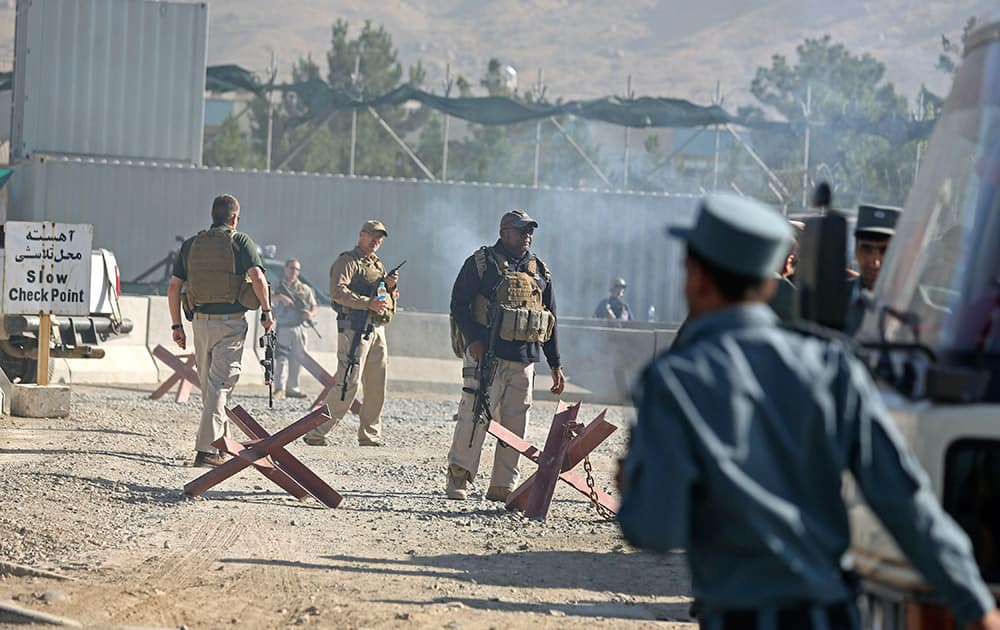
{"x":640,"y":574}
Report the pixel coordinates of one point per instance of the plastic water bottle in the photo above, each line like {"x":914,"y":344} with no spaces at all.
{"x":651,"y":314}
{"x":381,"y":294}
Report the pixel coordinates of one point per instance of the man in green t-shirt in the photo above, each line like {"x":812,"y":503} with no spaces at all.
{"x":223,"y":277}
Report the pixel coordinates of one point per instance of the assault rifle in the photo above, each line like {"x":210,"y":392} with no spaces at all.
{"x":482,"y":413}
{"x":362,"y":325}
{"x":269,"y":342}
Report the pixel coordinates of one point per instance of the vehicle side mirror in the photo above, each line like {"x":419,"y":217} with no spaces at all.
{"x":821,"y":274}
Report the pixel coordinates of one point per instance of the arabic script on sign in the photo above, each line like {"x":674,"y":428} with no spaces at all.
{"x":47,"y":268}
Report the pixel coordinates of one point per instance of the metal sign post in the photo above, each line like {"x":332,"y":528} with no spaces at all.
{"x":44,"y":332}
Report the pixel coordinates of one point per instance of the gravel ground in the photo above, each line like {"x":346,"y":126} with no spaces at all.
{"x":97,"y":496}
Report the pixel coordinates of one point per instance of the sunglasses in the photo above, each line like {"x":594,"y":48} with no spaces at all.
{"x":527,"y":230}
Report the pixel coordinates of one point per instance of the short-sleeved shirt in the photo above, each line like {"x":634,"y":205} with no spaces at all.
{"x":744,"y":431}
{"x":245,"y":251}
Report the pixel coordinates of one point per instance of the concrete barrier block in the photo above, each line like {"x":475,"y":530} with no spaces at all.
{"x":252,"y":371}
{"x":605,"y":361}
{"x":664,"y":339}
{"x":40,"y":401}
{"x":158,"y":331}
{"x":427,"y":335}
{"x":6,"y":390}
{"x":326,"y":324}
{"x":126,"y":357}
{"x":60,"y":372}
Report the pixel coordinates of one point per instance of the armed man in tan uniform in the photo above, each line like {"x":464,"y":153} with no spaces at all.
{"x":503,"y":313}
{"x":223,"y":277}
{"x":294,"y":307}
{"x":362,"y":355}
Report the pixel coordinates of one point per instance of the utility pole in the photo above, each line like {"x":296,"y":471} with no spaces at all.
{"x":628,"y":95}
{"x":920,"y":143}
{"x":807,"y":111}
{"x":444,"y":150}
{"x":273,"y":71}
{"x":715,"y":164}
{"x":539,"y":95}
{"x":355,"y":78}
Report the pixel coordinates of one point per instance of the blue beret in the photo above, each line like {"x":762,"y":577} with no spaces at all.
{"x":739,"y":235}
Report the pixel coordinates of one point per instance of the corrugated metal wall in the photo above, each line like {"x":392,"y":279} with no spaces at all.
{"x":587,"y":238}
{"x":121,"y":78}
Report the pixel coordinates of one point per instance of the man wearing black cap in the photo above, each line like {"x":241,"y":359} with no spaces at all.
{"x":614,"y":307}
{"x":744,"y":432}
{"x":502,"y":300}
{"x":875,"y":228}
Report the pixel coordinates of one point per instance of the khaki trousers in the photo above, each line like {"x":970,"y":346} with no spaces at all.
{"x":291,"y":347}
{"x":370,"y":373}
{"x":218,"y":349}
{"x":510,"y":397}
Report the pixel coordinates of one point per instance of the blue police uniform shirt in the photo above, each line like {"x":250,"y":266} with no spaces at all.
{"x":743,"y":432}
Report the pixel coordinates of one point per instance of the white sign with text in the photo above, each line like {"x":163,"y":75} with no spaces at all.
{"x":46,"y":268}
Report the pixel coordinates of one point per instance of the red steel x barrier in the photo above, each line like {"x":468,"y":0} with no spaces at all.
{"x":565,"y":447}
{"x":267,"y":454}
{"x":185,"y":372}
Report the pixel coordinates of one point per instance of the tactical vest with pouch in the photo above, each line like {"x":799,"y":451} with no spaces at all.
{"x":212,"y":277}
{"x":516,"y":300}
{"x":365,"y":283}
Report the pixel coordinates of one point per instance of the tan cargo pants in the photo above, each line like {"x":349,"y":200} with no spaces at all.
{"x":291,"y":346}
{"x":510,"y":396}
{"x":218,"y":350}
{"x":370,"y":373}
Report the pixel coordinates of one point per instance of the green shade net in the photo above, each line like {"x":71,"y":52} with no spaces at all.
{"x":320,"y":98}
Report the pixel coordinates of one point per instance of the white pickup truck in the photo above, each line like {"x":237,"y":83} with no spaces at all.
{"x":72,"y":337}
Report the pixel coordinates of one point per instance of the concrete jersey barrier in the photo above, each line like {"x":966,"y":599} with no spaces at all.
{"x":126,"y":357}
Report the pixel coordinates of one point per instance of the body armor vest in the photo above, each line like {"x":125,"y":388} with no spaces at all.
{"x":365,"y":283}
{"x":516,"y":299}
{"x":212,"y":277}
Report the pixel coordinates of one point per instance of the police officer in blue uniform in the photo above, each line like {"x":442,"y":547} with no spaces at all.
{"x":875,"y":228}
{"x":744,"y":431}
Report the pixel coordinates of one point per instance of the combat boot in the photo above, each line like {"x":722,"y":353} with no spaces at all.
{"x":458,"y":479}
{"x":498,"y":493}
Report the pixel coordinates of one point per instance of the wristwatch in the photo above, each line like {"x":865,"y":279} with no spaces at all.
{"x":176,"y":326}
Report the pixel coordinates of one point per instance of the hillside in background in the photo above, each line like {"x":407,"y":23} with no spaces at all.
{"x":587,"y":48}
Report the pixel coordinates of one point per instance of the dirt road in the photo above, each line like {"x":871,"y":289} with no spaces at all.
{"x":98,"y":497}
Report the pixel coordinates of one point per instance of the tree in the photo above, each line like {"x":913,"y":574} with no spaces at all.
{"x":315,"y":101}
{"x":951,"y":52}
{"x":840,"y":88}
{"x":229,"y":148}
